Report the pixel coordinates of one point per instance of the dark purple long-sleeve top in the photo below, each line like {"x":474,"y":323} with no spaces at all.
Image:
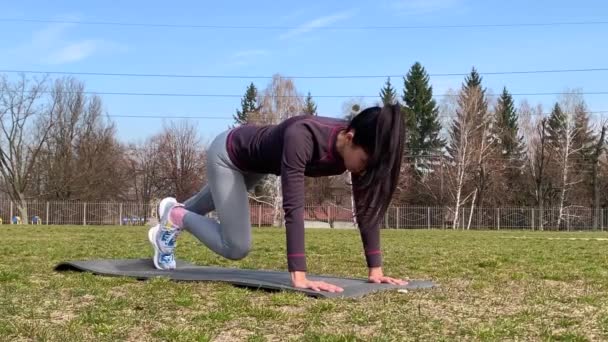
{"x":299,"y":147}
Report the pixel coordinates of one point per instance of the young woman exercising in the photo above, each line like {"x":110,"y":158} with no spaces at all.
{"x":370,"y":146}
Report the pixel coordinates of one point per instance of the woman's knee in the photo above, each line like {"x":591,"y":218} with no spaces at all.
{"x":238,"y":250}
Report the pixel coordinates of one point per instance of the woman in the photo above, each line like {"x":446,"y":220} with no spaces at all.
{"x":370,"y":146}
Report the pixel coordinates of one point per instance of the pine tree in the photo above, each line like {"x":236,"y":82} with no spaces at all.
{"x":422,"y":116}
{"x":472,"y":109}
{"x":310,"y":107}
{"x":249,"y":105}
{"x":584,"y":139}
{"x":509,"y":152}
{"x":473,"y":121}
{"x":388,"y":93}
{"x":585,"y":144}
{"x":505,"y":131}
{"x":556,"y":126}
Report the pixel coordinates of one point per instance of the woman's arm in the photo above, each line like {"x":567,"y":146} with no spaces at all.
{"x":297,"y":151}
{"x":370,"y":237}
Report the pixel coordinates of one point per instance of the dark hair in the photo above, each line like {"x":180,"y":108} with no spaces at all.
{"x":380,"y":131}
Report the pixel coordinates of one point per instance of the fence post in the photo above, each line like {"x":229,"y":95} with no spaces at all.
{"x":47,"y":213}
{"x":498,"y":217}
{"x":386,"y":218}
{"x":464,"y":223}
{"x":398,"y":223}
{"x":532,"y":219}
{"x":10,"y":219}
{"x":329,"y":215}
{"x":259,"y":215}
{"x":120,"y":214}
{"x":429,"y":216}
{"x":84,"y":216}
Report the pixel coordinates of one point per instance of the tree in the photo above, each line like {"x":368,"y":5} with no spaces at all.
{"x":388,"y":93}
{"x":422,"y":118}
{"x":23,"y":133}
{"x":352,"y":107}
{"x":509,"y":150}
{"x":249,"y":106}
{"x":595,"y":160}
{"x":473,"y":111}
{"x":584,"y":142}
{"x":81,"y":159}
{"x":181,"y":160}
{"x":505,"y":131}
{"x":279,"y":101}
{"x":564,"y":139}
{"x":310,"y":107}
{"x":535,"y":181}
{"x":144,"y":175}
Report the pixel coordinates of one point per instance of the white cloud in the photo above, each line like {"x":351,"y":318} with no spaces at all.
{"x":51,"y":45}
{"x":75,"y":51}
{"x":318,"y":23}
{"x":423,"y":6}
{"x":245,"y":57}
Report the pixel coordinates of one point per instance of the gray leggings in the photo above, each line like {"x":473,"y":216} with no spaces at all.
{"x":227,"y":193}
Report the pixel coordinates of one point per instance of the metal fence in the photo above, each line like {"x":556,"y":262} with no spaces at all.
{"x":330,"y":216}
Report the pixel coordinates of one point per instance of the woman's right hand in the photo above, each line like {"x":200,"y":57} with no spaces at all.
{"x":298,"y":280}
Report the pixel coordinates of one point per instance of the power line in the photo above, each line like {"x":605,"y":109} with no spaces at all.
{"x":292,"y":96}
{"x":167,"y":116}
{"x":326,"y":28}
{"x":94,"y":73}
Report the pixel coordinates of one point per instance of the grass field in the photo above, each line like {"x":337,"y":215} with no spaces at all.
{"x":493,"y":287}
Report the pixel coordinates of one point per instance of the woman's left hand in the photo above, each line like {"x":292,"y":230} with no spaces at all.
{"x":376,"y":276}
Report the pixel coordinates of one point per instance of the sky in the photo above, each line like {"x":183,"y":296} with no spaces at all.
{"x":301,"y":42}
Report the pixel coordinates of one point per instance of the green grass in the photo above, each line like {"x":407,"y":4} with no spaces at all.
{"x":492,"y":288}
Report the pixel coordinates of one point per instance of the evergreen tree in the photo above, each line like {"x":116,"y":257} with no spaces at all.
{"x":472,"y":109}
{"x":249,"y":105}
{"x":472,"y":114}
{"x":310,"y":107}
{"x":422,"y":116}
{"x":388,"y":93}
{"x":505,"y":131}
{"x":556,"y":126}
{"x":584,"y":138}
{"x":509,"y":152}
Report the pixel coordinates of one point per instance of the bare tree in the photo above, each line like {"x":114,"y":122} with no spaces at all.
{"x":279,"y":101}
{"x":465,"y":150}
{"x":82,"y":158}
{"x":22,"y":106}
{"x":180,"y":160}
{"x":563,"y":135}
{"x":597,"y":153}
{"x":538,"y":156}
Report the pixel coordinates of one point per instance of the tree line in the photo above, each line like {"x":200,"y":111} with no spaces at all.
{"x":472,"y":149}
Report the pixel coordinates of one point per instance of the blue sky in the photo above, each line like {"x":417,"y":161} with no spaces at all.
{"x":305,"y":48}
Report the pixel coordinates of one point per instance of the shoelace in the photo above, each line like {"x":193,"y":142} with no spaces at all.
{"x":166,"y":258}
{"x":169,"y":237}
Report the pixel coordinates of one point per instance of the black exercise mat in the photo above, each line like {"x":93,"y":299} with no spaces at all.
{"x":258,"y":279}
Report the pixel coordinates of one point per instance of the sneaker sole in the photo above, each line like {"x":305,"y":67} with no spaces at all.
{"x":152,"y":237}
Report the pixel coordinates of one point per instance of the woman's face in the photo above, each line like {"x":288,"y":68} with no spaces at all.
{"x":355,"y":158}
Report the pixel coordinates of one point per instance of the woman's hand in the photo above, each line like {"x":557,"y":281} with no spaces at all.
{"x":298,"y":279}
{"x":376,"y":276}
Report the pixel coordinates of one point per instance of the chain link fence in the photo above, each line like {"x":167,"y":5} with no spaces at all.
{"x":322,"y":216}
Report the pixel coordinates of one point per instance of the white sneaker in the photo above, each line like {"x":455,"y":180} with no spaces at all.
{"x":163,"y":236}
{"x":162,"y":261}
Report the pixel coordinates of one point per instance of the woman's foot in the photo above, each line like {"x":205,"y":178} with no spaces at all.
{"x":163,"y":236}
{"x":162,"y":261}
